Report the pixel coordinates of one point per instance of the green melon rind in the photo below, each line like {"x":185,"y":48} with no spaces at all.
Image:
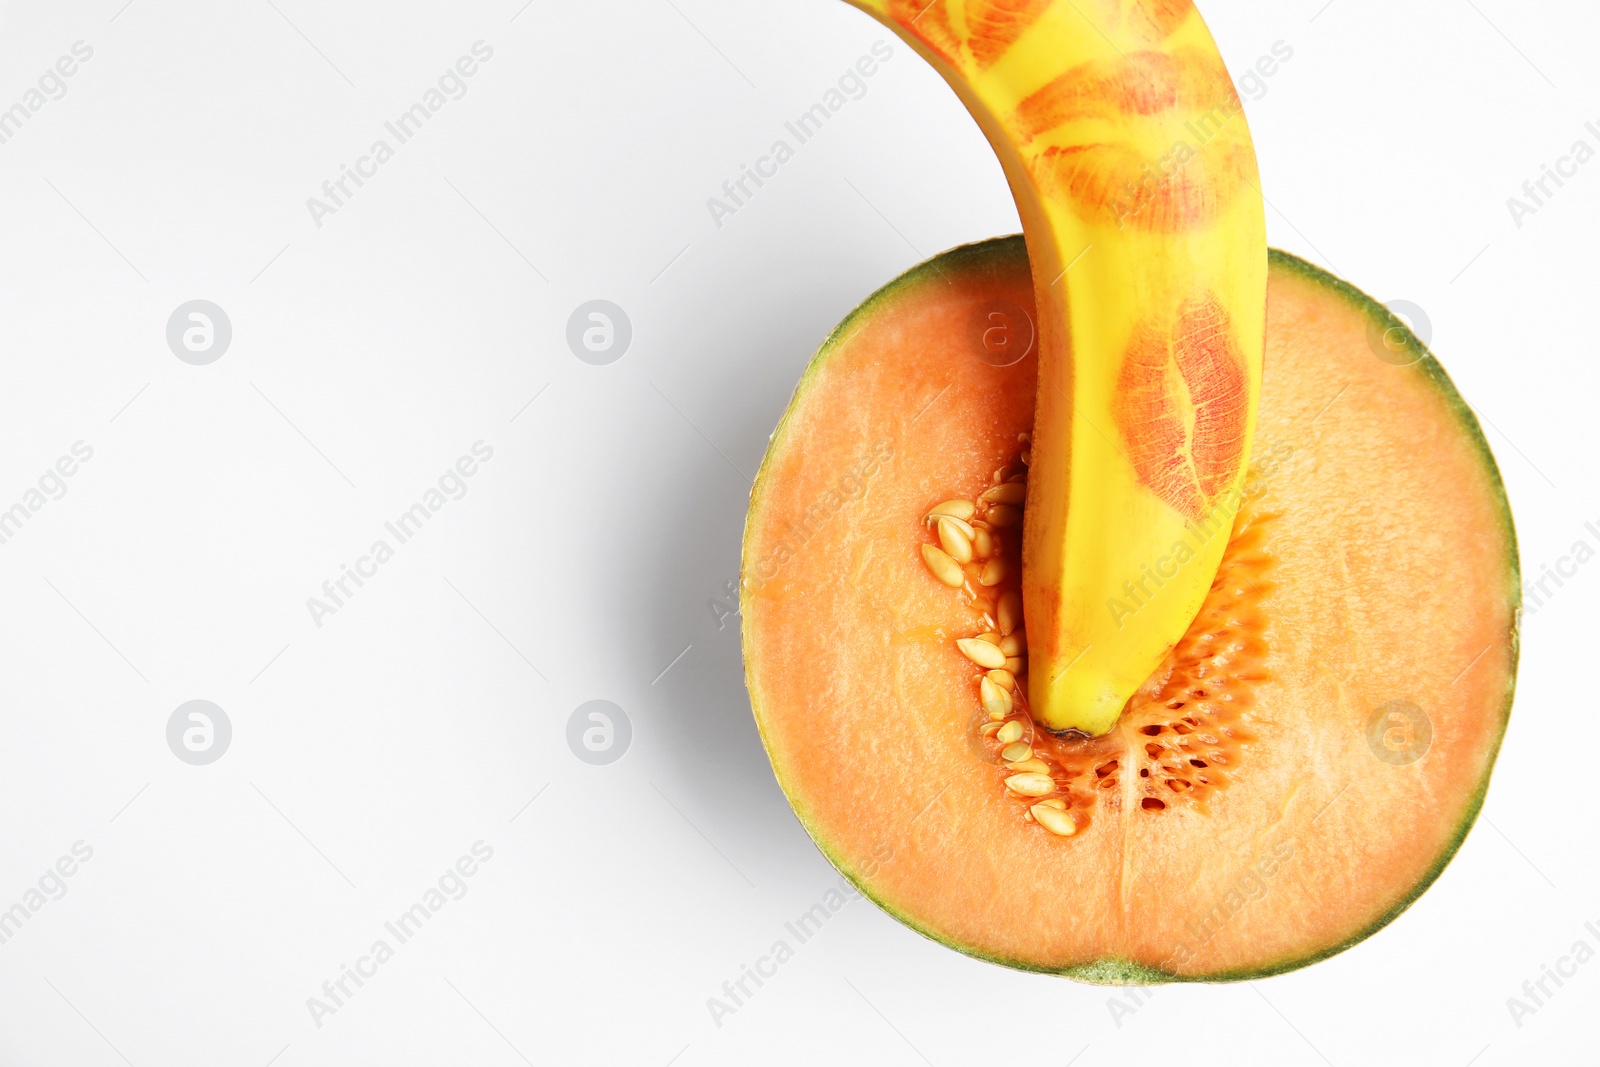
{"x":998,"y":252}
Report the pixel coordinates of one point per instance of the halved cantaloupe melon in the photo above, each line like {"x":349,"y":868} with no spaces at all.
{"x":1298,"y":771}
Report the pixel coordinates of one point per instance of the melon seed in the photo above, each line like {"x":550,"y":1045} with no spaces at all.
{"x":944,"y":568}
{"x":1060,"y":805}
{"x":1009,"y":611}
{"x":1031,"y":766}
{"x":1016,"y":752}
{"x":980,"y":652}
{"x":961,"y":509}
{"x":1006,"y":493}
{"x":1027,"y":457}
{"x":1003,"y":679}
{"x":1054,"y":819}
{"x":982,"y":543}
{"x":1030,"y":785}
{"x":954,"y":542}
{"x":1004,"y":515}
{"x":1010,"y":732}
{"x":1015,"y":643}
{"x":965,"y":527}
{"x":994,"y":571}
{"x":996,"y":701}
{"x":1017,"y":665}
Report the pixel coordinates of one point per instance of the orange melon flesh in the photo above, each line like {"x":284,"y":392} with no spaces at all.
{"x":1261,"y":802}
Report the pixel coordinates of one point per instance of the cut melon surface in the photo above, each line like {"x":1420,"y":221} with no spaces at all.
{"x":1298,"y":771}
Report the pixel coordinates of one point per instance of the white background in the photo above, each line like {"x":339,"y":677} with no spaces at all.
{"x":368,"y":354}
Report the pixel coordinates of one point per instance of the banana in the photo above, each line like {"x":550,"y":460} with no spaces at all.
{"x":1128,"y":154}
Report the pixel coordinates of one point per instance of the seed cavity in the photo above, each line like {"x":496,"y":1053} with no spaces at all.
{"x":1194,"y":720}
{"x":977,"y":550}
